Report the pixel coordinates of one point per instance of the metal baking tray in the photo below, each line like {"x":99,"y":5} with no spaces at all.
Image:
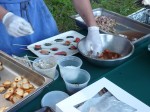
{"x":12,"y":68}
{"x":142,"y":15}
{"x":125,"y":25}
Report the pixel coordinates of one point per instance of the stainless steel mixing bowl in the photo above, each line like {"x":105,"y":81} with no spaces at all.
{"x":114,"y":43}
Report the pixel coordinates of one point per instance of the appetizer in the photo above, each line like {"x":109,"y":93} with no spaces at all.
{"x":54,"y":49}
{"x":44,"y":52}
{"x":67,"y":43}
{"x":61,"y":53}
{"x":37,"y":47}
{"x":16,"y":90}
{"x":77,"y":40}
{"x":73,"y":47}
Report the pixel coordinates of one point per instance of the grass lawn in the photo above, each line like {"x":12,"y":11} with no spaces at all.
{"x":62,"y":9}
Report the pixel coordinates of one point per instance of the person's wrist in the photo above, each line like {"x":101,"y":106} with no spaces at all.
{"x":7,"y":15}
{"x":93,"y":31}
{"x":3,"y":12}
{"x":93,"y":28}
{"x":91,"y":22}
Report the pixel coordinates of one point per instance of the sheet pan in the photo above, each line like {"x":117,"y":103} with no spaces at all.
{"x":11,"y":69}
{"x":125,"y":25}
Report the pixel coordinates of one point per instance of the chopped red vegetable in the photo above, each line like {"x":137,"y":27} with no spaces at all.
{"x":108,"y":54}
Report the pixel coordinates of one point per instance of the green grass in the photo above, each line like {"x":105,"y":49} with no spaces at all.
{"x":62,"y":9}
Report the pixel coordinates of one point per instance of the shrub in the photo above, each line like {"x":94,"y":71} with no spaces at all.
{"x":62,"y":9}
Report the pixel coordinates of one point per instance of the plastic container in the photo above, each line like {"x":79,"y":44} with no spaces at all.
{"x":78,"y":83}
{"x":68,"y":62}
{"x":46,"y":66}
{"x":52,"y":98}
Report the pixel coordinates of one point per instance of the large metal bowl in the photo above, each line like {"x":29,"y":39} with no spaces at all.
{"x":114,"y":43}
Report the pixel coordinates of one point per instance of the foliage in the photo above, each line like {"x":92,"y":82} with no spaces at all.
{"x":63,"y":9}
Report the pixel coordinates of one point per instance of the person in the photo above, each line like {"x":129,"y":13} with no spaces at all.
{"x":27,"y":21}
{"x":24,"y":22}
{"x":93,"y":41}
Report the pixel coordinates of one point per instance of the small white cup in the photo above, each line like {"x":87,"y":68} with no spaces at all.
{"x":78,"y":82}
{"x":46,"y":66}
{"x":67,"y":62}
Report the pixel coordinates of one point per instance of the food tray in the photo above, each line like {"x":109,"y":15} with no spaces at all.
{"x":56,"y":43}
{"x":124,"y":25}
{"x":12,"y":69}
{"x":141,"y":15}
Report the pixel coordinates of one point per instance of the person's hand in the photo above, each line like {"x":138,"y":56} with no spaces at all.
{"x":142,"y":3}
{"x":146,"y":2}
{"x":16,"y":26}
{"x":93,"y":40}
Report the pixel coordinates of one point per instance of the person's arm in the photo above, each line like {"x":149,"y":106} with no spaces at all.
{"x":83,"y":7}
{"x":93,"y":41}
{"x":2,"y":12}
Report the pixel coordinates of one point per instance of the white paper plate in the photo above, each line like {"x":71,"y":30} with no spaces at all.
{"x":59,"y":45}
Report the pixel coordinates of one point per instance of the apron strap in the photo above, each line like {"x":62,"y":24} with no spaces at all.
{"x":12,"y":1}
{"x":24,"y":10}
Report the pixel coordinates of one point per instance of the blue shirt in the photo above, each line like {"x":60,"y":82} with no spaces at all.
{"x":37,"y":14}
